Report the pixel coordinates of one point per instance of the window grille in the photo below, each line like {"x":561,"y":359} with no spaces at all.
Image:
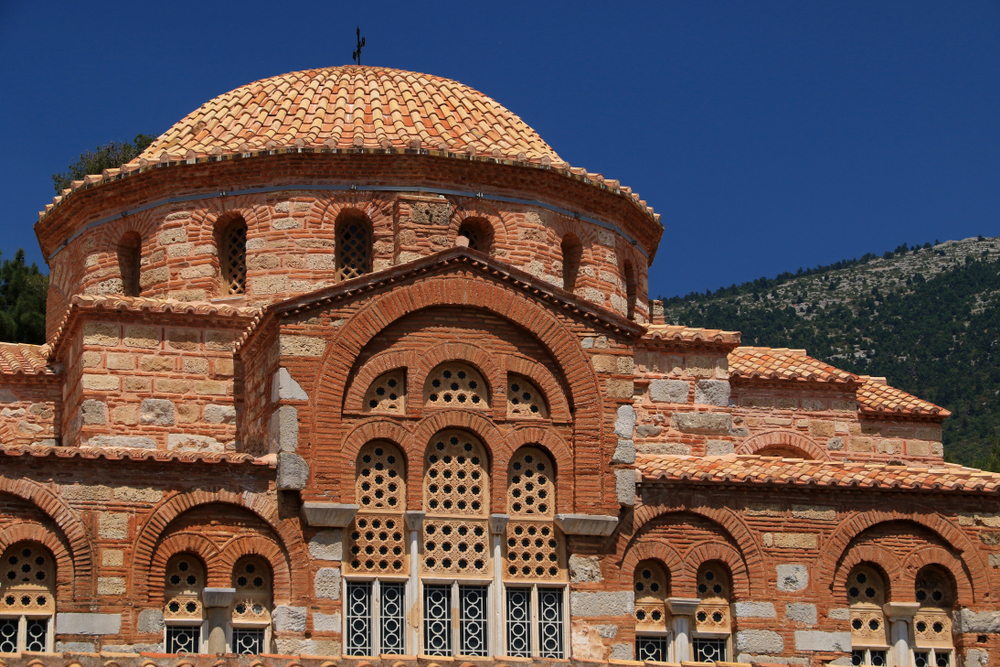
{"x":651,"y":649}
{"x":865,"y":656}
{"x":456,"y":385}
{"x":534,"y":551}
{"x":37,"y":629}
{"x":865,"y":596}
{"x":455,"y":476}
{"x":185,"y":581}
{"x":650,"y":583}
{"x":354,"y":246}
{"x":380,"y":482}
{"x":377,"y":540}
{"x":524,"y":399}
{"x":713,"y":590}
{"x":387,"y":393}
{"x":183,"y":639}
{"x":519,"y":622}
{"x":472,"y":623}
{"x":248,"y":641}
{"x":392,"y":625}
{"x":932,"y":622}
{"x":234,"y":257}
{"x":8,"y":634}
{"x":709,"y":649}
{"x":551,"y":622}
{"x":437,"y":620}
{"x":456,"y":547}
{"x":932,"y":658}
{"x":359,"y":618}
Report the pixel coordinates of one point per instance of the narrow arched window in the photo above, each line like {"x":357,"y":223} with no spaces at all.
{"x":27,"y":598}
{"x":630,"y":290}
{"x":455,"y":384}
{"x":251,"y":608}
{"x":129,"y":259}
{"x":387,"y":393}
{"x":479,"y":232}
{"x":572,"y":251}
{"x":712,"y":624}
{"x":524,"y":399}
{"x":866,"y":594}
{"x":233,"y":257}
{"x":652,"y":616}
{"x":183,"y":613}
{"x":354,"y":245}
{"x":933,"y":642}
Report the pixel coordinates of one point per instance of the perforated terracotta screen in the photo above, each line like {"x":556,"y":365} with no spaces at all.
{"x":650,"y":582}
{"x":866,"y":595}
{"x":183,"y":587}
{"x":456,"y":385}
{"x":524,"y":399}
{"x":387,"y":393}
{"x":234,"y":258}
{"x":354,"y":247}
{"x":713,"y":590}
{"x":252,"y":602}
{"x":28,"y":580}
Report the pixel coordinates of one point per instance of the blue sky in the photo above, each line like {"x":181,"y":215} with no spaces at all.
{"x":769,"y":135}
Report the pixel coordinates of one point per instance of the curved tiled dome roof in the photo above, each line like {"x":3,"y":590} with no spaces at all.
{"x":351,"y":107}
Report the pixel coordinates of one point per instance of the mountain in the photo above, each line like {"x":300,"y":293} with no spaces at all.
{"x":925,"y":317}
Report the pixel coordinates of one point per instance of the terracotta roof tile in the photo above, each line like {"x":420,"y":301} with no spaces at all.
{"x":672,"y":332}
{"x":775,"y":470}
{"x":133,"y":454}
{"x":24,"y":359}
{"x":878,"y":398}
{"x":783,"y":364}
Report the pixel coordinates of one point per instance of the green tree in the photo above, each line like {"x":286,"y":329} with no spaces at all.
{"x":22,"y":301}
{"x":108,"y":156}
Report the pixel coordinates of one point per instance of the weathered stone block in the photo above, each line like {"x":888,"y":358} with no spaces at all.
{"x":189,"y":442}
{"x":584,"y":569}
{"x":112,"y":557}
{"x":121,"y":441}
{"x":171,"y":236}
{"x":283,"y":429}
{"x":220,"y":341}
{"x":94,"y":382}
{"x":620,"y":388}
{"x":285,"y":388}
{"x":172,"y":386}
{"x":977,"y":657}
{"x":625,"y":487}
{"x":103,"y":334}
{"x":702,"y":422}
{"x":983,"y":622}
{"x":712,"y":392}
{"x":112,"y":525}
{"x":142,"y":335}
{"x":791,"y":540}
{"x":111,"y":586}
{"x":817,"y":640}
{"x":327,"y":545}
{"x":759,"y":641}
{"x":156,"y":363}
{"x":81,"y":492}
{"x":604,"y":363}
{"x":301,"y":346}
{"x":150,"y":621}
{"x":183,"y":339}
{"x":156,"y":411}
{"x":137,"y":384}
{"x":196,"y":365}
{"x":620,"y":652}
{"x":602,"y":603}
{"x":814,"y":512}
{"x":138,"y":495}
{"x":648,"y":430}
{"x":120,"y":362}
{"x":326,"y":584}
{"x":289,"y":619}
{"x":755,"y":610}
{"x":821,"y":429}
{"x":669,"y":391}
{"x":94,"y":412}
{"x":800,"y":612}
{"x":793,"y":577}
{"x":719,"y":448}
{"x":835,"y":444}
{"x":625,"y":422}
{"x":88,"y":624}
{"x":153,"y":276}
{"x":624,"y":452}
{"x":293,"y":471}
{"x":220,"y":414}
{"x":75,"y":647}
{"x":327,"y":622}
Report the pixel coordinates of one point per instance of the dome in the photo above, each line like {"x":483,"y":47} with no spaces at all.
{"x":319,"y":108}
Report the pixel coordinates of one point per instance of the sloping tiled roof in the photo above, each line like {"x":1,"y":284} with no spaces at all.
{"x":24,"y":359}
{"x":775,"y":470}
{"x":132,"y":454}
{"x":352,"y":107}
{"x":769,"y":363}
{"x":682,"y":334}
{"x":878,"y":398}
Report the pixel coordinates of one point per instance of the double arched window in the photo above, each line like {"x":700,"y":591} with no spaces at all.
{"x":27,"y":598}
{"x":652,"y":614}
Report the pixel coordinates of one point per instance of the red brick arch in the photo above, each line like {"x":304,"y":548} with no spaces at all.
{"x":374,"y":368}
{"x":268,"y":550}
{"x":464,"y":208}
{"x":656,"y":550}
{"x":542,"y":437}
{"x":324,"y":211}
{"x":882,"y":559}
{"x":786,"y":440}
{"x":471,"y":354}
{"x":466,"y":287}
{"x":32,"y":531}
{"x":941,"y":557}
{"x":378,"y":428}
{"x":287,"y":531}
{"x":731,"y":523}
{"x":559,"y":410}
{"x":180,"y":543}
{"x":73,"y":530}
{"x":828,"y":565}
{"x":721,"y":552}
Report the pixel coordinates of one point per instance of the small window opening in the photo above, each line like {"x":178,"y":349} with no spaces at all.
{"x":630,"y":289}
{"x":234,"y":257}
{"x":354,"y":245}
{"x":479,"y":232}
{"x":129,"y":259}
{"x":572,"y":251}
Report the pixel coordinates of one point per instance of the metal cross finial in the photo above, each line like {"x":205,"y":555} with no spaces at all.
{"x":361,"y":43}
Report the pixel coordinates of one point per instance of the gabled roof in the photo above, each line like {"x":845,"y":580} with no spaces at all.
{"x":774,"y":363}
{"x":24,"y":359}
{"x":536,"y":289}
{"x":753,"y":469}
{"x":879,"y":399}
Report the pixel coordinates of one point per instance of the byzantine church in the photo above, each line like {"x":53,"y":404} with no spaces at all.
{"x":350,"y":369}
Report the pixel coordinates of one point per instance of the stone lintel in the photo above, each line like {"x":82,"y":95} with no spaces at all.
{"x":600,"y":525}
{"x":217,"y":597}
{"x":328,"y":515}
{"x":683,"y":606}
{"x":498,"y":523}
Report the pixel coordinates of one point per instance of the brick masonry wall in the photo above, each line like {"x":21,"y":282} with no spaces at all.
{"x":30,"y":412}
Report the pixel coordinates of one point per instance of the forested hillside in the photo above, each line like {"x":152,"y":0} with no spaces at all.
{"x":926,"y":317}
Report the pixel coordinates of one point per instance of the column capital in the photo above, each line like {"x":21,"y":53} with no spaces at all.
{"x":498,"y":523}
{"x":414,"y":519}
{"x":900,"y":611}
{"x":217,"y":597}
{"x":683,"y":606}
{"x":328,"y":515}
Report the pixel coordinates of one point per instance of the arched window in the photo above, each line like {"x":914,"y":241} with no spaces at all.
{"x":129,"y":260}
{"x":933,"y":645}
{"x":183,"y":613}
{"x":354,"y":245}
{"x":456,"y":545}
{"x":479,"y":232}
{"x":784,"y":451}
{"x":251,"y":609}
{"x":387,"y":393}
{"x":866,"y":594}
{"x":712,"y":624}
{"x":233,"y":257}
{"x":572,"y":252}
{"x":375,"y":609}
{"x":524,"y":399}
{"x":652,"y":616}
{"x":534,"y":554}
{"x":455,"y":384}
{"x":630,"y":290}
{"x":27,"y":598}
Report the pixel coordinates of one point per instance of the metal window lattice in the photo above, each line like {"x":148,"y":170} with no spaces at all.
{"x":28,"y":580}
{"x":387,"y":393}
{"x":234,"y":258}
{"x":377,"y":544}
{"x":248,"y":641}
{"x":550,"y":623}
{"x":455,"y":477}
{"x":183,"y":639}
{"x":472,"y":621}
{"x":455,"y":385}
{"x":519,"y":622}
{"x":437,"y":620}
{"x":354,"y":249}
{"x":8,"y":635}
{"x":709,"y":650}
{"x":651,"y":648}
{"x":530,"y":485}
{"x":868,"y":657}
{"x":524,"y":399}
{"x":359,"y":618}
{"x":392,"y":625}
{"x":534,"y":551}
{"x":35,"y":634}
